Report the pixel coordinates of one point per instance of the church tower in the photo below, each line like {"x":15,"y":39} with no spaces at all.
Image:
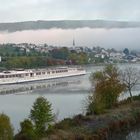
{"x":73,"y":43}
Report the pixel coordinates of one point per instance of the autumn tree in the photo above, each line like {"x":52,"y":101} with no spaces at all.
{"x":107,"y":88}
{"x":6,"y":130}
{"x":41,"y":115}
{"x":130,"y":77}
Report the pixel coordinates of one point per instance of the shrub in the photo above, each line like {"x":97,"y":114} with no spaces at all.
{"x":6,"y":130}
{"x":27,"y":131}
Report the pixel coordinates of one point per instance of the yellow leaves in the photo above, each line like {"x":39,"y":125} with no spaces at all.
{"x":107,"y":88}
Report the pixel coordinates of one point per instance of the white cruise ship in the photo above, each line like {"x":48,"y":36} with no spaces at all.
{"x":20,"y":76}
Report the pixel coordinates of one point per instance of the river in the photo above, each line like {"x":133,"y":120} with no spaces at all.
{"x":67,"y":96}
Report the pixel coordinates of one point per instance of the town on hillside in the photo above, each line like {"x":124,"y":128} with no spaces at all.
{"x":32,"y":55}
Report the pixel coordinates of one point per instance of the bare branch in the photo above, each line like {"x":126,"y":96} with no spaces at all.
{"x":130,"y":77}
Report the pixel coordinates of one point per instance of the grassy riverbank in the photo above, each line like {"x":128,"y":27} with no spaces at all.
{"x":98,"y":127}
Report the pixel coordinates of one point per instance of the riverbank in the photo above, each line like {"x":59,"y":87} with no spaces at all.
{"x":98,"y":127}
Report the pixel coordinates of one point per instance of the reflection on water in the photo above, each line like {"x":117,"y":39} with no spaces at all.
{"x":47,"y":85}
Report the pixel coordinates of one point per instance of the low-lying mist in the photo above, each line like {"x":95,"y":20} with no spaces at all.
{"x":107,"y":38}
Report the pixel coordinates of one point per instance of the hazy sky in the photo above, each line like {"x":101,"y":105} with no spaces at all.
{"x":24,"y":10}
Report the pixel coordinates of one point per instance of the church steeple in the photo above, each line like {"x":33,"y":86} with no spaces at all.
{"x":73,"y":42}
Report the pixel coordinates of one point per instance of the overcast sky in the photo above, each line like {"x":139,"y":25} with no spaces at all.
{"x":25,"y":10}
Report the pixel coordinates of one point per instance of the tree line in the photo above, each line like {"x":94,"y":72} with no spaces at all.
{"x":14,"y":58}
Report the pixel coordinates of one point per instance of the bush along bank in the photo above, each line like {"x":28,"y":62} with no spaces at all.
{"x":98,"y":127}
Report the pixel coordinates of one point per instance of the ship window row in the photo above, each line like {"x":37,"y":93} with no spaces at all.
{"x":39,"y":73}
{"x":27,"y":74}
{"x":54,"y":71}
{"x":14,"y":75}
{"x":60,"y":71}
{"x":80,"y":69}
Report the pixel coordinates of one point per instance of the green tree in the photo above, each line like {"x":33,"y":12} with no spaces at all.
{"x":61,"y":53}
{"x":27,"y":131}
{"x":83,"y":58}
{"x":107,"y":89}
{"x":41,"y":115}
{"x":79,"y":58}
{"x":6,"y":130}
{"x":126,"y":51}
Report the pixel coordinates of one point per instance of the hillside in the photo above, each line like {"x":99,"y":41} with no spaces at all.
{"x":66,"y":24}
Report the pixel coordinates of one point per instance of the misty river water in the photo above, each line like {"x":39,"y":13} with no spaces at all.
{"x":67,"y":96}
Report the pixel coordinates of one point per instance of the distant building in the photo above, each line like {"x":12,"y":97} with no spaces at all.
{"x":116,"y":56}
{"x":100,"y":56}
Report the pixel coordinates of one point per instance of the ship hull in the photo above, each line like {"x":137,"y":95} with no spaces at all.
{"x":24,"y":79}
